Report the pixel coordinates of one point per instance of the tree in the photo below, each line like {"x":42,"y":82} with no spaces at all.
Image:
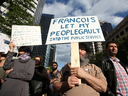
{"x":95,"y":59}
{"x":49,"y":68}
{"x":17,"y":15}
{"x":123,"y":49}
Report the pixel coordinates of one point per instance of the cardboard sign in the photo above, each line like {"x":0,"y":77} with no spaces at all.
{"x":26,"y":35}
{"x":74,"y":29}
{"x":2,"y":48}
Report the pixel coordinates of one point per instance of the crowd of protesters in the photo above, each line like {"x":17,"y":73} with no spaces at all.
{"x":26,"y":77}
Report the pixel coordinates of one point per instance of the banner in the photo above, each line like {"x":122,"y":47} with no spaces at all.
{"x":74,"y":29}
{"x":26,"y":35}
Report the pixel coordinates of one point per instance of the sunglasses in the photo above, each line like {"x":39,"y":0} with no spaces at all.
{"x":54,"y":65}
{"x":37,"y":60}
{"x":37,"y":64}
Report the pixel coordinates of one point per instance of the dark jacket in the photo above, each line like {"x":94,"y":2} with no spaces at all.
{"x":109,"y":71}
{"x":16,"y":82}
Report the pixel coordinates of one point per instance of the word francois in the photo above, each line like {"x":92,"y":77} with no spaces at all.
{"x":74,"y":20}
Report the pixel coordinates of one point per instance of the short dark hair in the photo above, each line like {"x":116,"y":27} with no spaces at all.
{"x":40,"y":59}
{"x":109,"y":43}
{"x":25,"y":49}
{"x":4,"y":55}
{"x":55,"y":63}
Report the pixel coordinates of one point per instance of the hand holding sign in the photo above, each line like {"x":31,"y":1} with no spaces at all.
{"x":11,"y":46}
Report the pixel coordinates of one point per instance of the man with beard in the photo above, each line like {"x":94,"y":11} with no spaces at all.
{"x":115,"y":72}
{"x":92,"y":78}
{"x":52,"y":76}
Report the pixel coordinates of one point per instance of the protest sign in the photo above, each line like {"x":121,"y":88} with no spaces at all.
{"x":26,"y":35}
{"x":2,"y":49}
{"x":74,"y":29}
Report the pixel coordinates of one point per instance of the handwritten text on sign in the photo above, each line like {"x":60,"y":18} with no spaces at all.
{"x":74,"y":29}
{"x":26,"y":35}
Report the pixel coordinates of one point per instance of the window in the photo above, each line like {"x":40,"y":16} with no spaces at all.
{"x":0,"y":12}
{"x":3,"y":6}
{"x":35,"y":2}
{"x":4,"y":14}
{"x":126,"y":29}
{"x":31,"y":10}
{"x":117,"y":36}
{"x":122,"y":33}
{"x":113,"y":39}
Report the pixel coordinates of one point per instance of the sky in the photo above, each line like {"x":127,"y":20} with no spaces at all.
{"x":112,"y":11}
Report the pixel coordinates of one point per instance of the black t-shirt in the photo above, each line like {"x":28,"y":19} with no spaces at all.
{"x":36,"y":76}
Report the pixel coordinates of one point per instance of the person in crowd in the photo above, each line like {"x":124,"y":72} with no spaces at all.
{"x":52,"y":76}
{"x":48,"y":71}
{"x":19,"y":72}
{"x":2,"y":71}
{"x":92,"y":79}
{"x":115,"y":72}
{"x":40,"y":75}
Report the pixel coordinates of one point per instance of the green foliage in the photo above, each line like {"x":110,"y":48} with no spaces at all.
{"x":49,"y":68}
{"x":95,"y":59}
{"x":17,"y":15}
{"x":122,"y":50}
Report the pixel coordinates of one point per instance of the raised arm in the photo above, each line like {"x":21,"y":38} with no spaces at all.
{"x":27,"y":74}
{"x":9,"y":62}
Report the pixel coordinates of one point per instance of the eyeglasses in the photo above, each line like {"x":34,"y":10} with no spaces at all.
{"x":36,"y":60}
{"x":37,"y":64}
{"x":54,"y":65}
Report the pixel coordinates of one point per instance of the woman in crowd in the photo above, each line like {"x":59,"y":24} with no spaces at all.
{"x":19,"y":72}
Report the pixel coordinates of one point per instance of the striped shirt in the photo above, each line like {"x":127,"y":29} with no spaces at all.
{"x":122,"y":78}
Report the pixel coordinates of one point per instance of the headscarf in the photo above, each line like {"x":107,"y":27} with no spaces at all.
{"x":24,"y":56}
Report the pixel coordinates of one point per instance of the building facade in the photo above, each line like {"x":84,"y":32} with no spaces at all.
{"x":120,"y":30}
{"x":38,"y":11}
{"x":106,"y":27}
{"x":4,"y":8}
{"x":52,"y":54}
{"x":98,"y":46}
{"x":44,"y":50}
